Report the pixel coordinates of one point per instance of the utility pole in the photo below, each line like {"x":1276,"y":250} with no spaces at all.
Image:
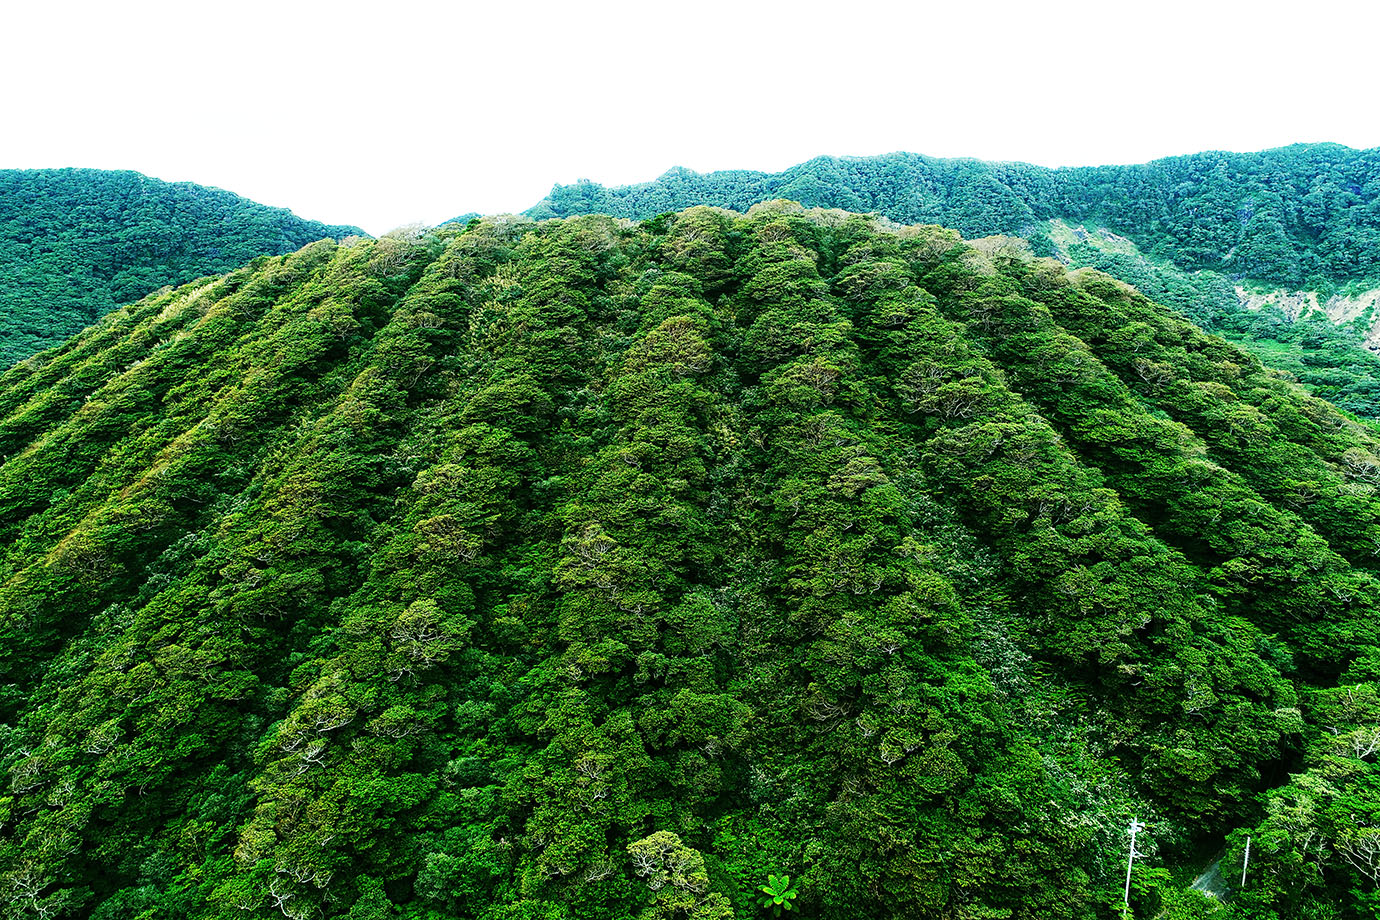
{"x":1136,"y":827}
{"x":1245,"y":862}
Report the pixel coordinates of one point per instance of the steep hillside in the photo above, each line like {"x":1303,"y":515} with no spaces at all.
{"x":586,"y":569}
{"x":1325,"y":343}
{"x":77,"y":243}
{"x":1304,"y":218}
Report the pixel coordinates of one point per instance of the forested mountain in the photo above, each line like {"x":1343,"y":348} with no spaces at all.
{"x":1305,"y":217}
{"x":77,"y":243}
{"x":589,"y":569}
{"x":1306,"y":214}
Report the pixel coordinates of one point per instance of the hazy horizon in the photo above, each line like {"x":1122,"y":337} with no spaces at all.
{"x":347,"y":114}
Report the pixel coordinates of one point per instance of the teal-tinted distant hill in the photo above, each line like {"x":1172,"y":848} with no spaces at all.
{"x":1306,"y":214}
{"x":1187,"y":230}
{"x":76,"y":243}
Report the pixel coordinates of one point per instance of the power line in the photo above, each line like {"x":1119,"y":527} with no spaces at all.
{"x":1246,"y":861}
{"x":1136,"y":827}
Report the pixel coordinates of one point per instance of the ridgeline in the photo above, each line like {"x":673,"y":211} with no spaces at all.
{"x":1186,"y":230}
{"x":77,"y":243}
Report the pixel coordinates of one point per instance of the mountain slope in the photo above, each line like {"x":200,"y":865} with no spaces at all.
{"x":579,"y":569}
{"x":77,"y":243}
{"x":1305,"y":217}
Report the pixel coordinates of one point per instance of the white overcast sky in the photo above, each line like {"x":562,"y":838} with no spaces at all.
{"x":391,"y":112}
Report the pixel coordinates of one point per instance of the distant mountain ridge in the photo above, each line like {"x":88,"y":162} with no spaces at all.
{"x":77,"y":243}
{"x":1193,"y":229}
{"x":1304,"y":214}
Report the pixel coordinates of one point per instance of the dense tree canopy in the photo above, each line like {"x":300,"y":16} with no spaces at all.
{"x":1293,"y":215}
{"x":77,"y":243}
{"x":1301,"y":217}
{"x":591,"y":569}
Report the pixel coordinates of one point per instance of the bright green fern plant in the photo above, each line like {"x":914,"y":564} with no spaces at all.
{"x":778,"y":893}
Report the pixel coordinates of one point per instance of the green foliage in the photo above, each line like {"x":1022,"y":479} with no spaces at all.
{"x":1302,"y":217}
{"x":1292,"y":215}
{"x":778,"y":893}
{"x":77,"y":243}
{"x":584,"y":569}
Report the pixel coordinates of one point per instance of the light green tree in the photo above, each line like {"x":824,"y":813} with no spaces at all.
{"x":677,"y":877}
